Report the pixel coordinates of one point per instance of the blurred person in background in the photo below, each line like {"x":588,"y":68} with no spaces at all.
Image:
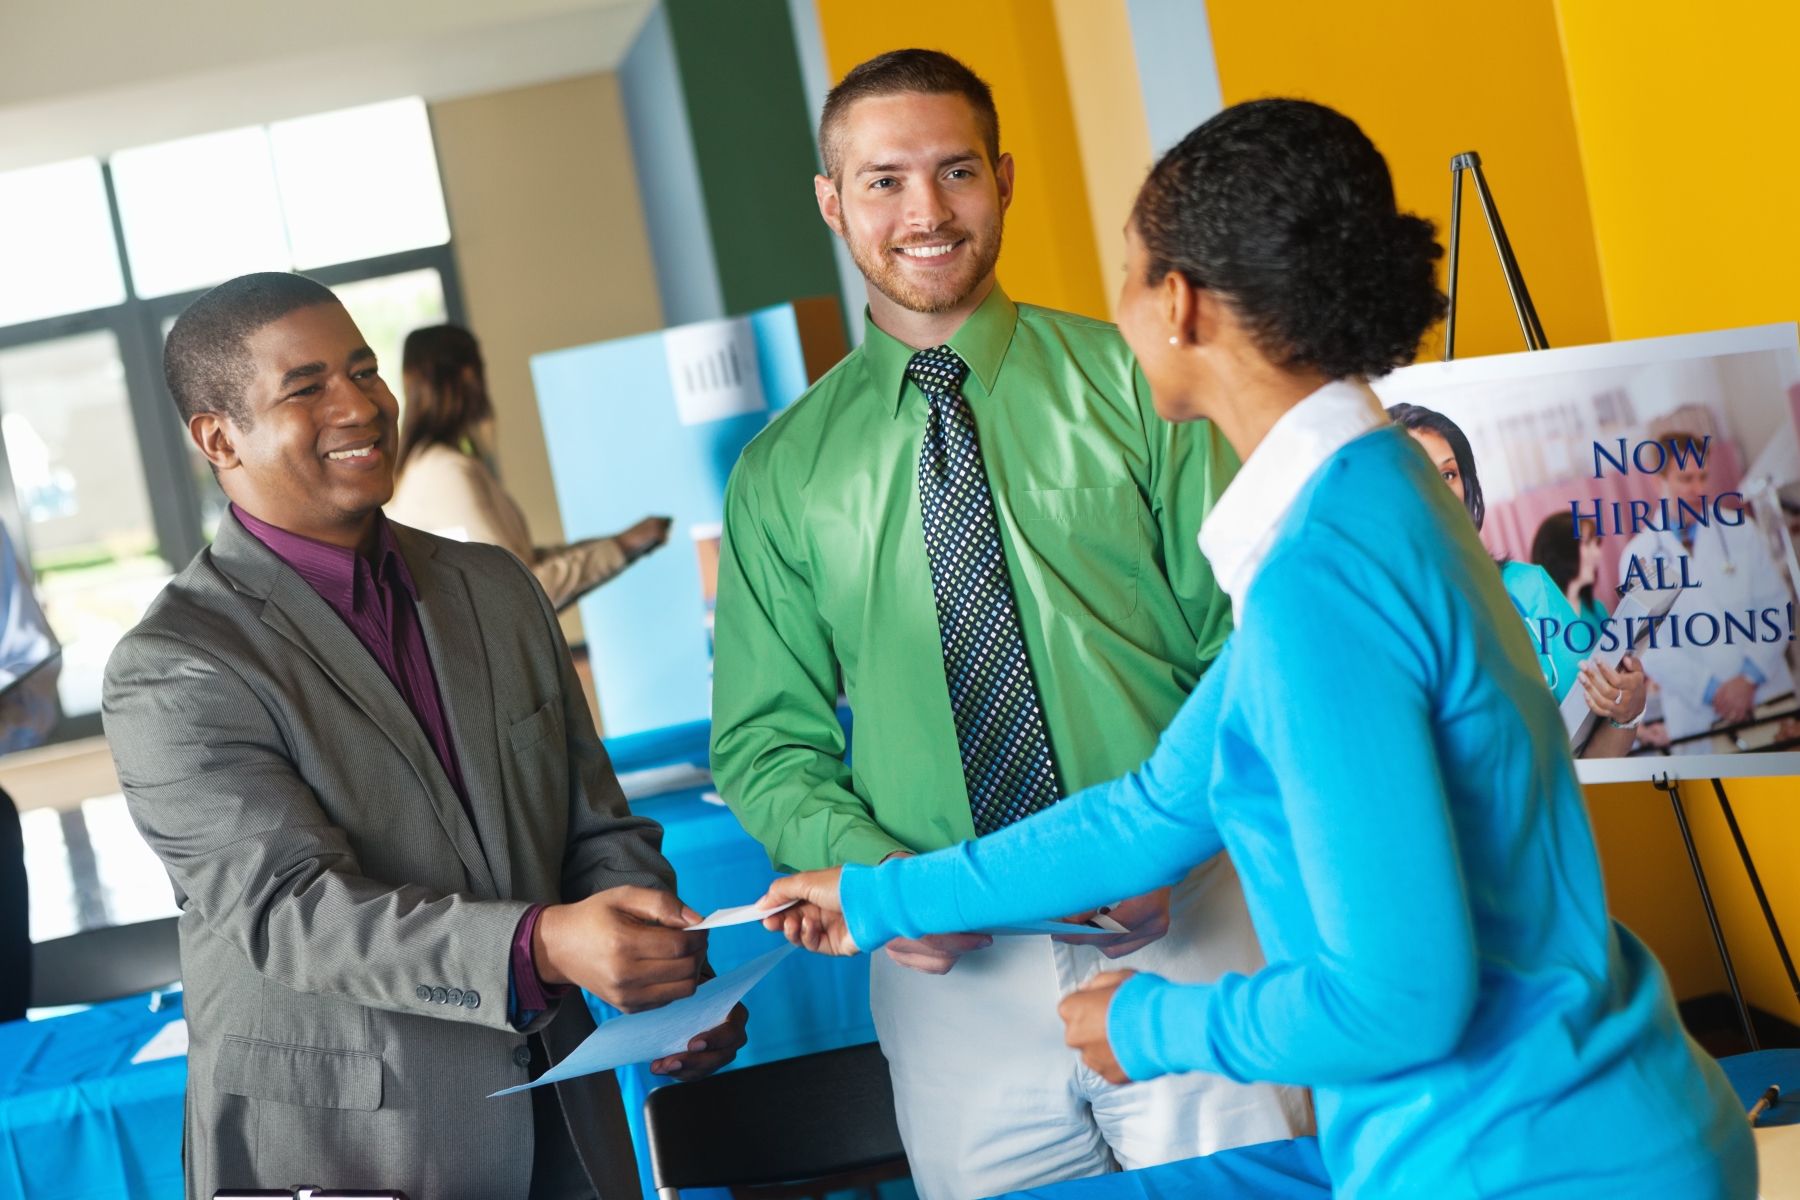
{"x":1717,"y":549}
{"x":447,"y":482}
{"x":30,"y":661}
{"x":1616,"y":694}
{"x":1573,"y":566}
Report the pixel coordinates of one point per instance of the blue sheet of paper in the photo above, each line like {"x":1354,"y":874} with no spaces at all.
{"x":642,"y":1037}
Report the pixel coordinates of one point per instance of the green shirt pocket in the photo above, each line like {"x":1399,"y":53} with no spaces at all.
{"x":1089,"y":542}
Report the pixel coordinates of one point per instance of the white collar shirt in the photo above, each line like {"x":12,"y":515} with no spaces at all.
{"x":1237,"y":534}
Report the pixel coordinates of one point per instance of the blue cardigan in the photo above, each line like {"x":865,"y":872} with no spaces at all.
{"x":1377,"y":750}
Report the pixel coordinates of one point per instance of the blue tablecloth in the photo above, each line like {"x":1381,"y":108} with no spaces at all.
{"x":810,"y":1003}
{"x":77,"y":1120}
{"x":1289,"y":1170}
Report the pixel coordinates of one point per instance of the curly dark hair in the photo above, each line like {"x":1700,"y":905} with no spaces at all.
{"x":1286,"y":209}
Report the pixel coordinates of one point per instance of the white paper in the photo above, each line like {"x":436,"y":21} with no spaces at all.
{"x":1036,"y":928}
{"x":646,"y":1036}
{"x":713,"y":370}
{"x":171,"y":1041}
{"x":743,"y":914}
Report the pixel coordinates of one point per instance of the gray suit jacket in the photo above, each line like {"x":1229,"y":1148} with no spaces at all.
{"x":335,"y":895}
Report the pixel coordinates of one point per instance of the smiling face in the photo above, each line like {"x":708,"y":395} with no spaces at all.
{"x":315,"y":454}
{"x":918,"y":204}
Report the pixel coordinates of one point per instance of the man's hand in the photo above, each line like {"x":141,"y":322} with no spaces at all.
{"x":936,"y":954}
{"x":1084,"y":1016}
{"x":817,"y":921}
{"x":626,"y":945}
{"x":706,"y":1052}
{"x":1734,"y":698}
{"x":1146,"y":918}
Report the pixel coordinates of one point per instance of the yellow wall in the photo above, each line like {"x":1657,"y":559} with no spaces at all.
{"x":1687,"y":115}
{"x":1427,"y":80}
{"x":551,"y":248}
{"x":1049,"y":256}
{"x":1109,"y":121}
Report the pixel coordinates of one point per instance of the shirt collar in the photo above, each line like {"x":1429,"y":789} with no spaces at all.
{"x":1237,"y":534}
{"x":331,"y":570}
{"x":981,"y":342}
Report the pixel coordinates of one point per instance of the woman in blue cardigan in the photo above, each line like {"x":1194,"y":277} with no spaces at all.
{"x":1375,"y":748}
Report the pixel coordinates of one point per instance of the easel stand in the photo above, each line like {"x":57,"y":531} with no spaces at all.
{"x":1533,"y":330}
{"x":1529,"y":325}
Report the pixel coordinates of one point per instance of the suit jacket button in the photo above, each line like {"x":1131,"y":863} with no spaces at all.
{"x":455,"y":997}
{"x":423,"y":993}
{"x":471,"y":999}
{"x":522,"y":1056}
{"x":439,"y":996}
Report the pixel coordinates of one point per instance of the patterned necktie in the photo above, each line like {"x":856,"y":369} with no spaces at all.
{"x":999,"y":724}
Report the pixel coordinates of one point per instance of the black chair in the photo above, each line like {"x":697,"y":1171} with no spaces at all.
{"x":105,"y":964}
{"x":784,"y":1130}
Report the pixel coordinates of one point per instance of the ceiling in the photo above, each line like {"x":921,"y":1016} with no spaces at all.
{"x":81,"y":77}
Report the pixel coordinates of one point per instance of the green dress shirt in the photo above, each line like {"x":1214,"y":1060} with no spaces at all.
{"x":824,"y":583}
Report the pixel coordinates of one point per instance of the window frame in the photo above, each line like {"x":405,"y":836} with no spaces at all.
{"x":175,"y":501}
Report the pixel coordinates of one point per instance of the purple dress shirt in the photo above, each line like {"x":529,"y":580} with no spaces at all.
{"x":378,"y":601}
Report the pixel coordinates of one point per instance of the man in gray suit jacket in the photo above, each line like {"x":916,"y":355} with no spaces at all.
{"x":364,"y":757}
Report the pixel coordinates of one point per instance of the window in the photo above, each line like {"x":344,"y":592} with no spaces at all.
{"x":198,"y":211}
{"x":108,"y":496}
{"x":79,"y":480}
{"x":57,"y":252}
{"x":359,"y":183}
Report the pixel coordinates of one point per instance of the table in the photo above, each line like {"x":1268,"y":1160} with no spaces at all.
{"x":78,"y":1120}
{"x":810,"y":1003}
{"x":1291,"y":1170}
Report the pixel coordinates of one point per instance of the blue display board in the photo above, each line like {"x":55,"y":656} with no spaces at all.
{"x":653,"y":425}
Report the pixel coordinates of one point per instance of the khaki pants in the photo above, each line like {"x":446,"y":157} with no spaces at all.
{"x":990,"y":1100}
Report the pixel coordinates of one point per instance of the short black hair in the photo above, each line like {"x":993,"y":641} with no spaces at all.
{"x":1556,"y":548}
{"x":1429,"y":420}
{"x":928,"y":72}
{"x":204,"y":359}
{"x":1286,"y":210}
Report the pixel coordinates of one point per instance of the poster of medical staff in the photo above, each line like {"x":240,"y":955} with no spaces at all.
{"x":1640,"y":498}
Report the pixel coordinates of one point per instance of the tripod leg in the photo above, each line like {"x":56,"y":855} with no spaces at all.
{"x":1456,"y":191}
{"x":1762,"y":898}
{"x":1666,"y":784}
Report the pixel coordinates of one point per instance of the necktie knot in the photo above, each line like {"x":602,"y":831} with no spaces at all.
{"x":939,"y":371}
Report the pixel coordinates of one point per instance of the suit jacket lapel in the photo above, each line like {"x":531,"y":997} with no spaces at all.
{"x":292,"y":609}
{"x":466,"y":690}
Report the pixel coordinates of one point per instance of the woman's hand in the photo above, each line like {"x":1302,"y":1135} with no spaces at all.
{"x":1084,"y":1016}
{"x":1146,"y":918}
{"x":644,"y":537}
{"x":1616,"y":693}
{"x":817,"y":920}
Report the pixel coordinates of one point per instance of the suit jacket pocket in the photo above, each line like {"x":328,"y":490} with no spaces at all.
{"x":538,"y":726}
{"x":298,"y":1075}
{"x":1088,"y":540}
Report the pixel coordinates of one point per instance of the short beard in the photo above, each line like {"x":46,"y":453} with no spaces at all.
{"x":889,"y":278}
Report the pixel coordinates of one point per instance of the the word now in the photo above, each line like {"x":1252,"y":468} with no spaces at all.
{"x":1664,"y":452}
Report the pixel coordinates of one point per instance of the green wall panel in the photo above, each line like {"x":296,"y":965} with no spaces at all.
{"x":740,"y":76}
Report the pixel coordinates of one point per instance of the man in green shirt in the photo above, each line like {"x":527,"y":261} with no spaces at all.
{"x":978,"y":529}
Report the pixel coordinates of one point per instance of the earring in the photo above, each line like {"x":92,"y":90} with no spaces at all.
{"x":1174,"y":341}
